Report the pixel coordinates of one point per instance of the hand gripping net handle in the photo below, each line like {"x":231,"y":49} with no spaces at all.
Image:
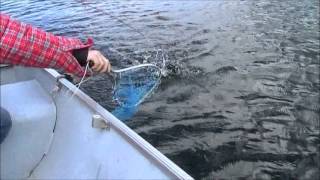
{"x":127,"y":94}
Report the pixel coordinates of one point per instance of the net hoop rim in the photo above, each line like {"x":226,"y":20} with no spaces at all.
{"x":134,"y":67}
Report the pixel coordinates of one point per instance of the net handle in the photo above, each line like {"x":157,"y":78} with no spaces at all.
{"x":91,"y":63}
{"x":133,"y":67}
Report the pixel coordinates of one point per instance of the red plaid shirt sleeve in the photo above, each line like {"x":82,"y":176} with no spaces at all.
{"x":22,"y":44}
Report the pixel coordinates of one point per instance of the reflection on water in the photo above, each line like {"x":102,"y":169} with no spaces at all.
{"x":241,"y":95}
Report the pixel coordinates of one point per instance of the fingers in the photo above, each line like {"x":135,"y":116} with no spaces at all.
{"x":93,"y":56}
{"x":101,"y":64}
{"x":107,"y":66}
{"x":104,"y":68}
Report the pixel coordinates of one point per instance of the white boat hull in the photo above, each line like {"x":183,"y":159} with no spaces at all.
{"x":53,"y":136}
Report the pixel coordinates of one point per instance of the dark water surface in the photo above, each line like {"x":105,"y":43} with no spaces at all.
{"x":240,"y":99}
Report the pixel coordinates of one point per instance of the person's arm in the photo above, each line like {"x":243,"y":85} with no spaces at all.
{"x":22,"y":44}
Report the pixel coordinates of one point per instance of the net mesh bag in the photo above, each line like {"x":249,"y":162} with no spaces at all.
{"x":132,"y":85}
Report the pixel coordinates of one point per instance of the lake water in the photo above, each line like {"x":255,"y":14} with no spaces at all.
{"x":240,"y":96}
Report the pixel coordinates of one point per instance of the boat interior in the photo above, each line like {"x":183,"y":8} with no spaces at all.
{"x":58,"y":132}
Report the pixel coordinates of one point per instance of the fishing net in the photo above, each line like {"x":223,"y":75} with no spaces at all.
{"x":132,"y":86}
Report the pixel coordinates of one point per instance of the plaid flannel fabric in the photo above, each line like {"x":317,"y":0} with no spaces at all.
{"x":22,"y":44}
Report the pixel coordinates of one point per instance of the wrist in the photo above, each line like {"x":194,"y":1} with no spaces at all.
{"x":81,"y":55}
